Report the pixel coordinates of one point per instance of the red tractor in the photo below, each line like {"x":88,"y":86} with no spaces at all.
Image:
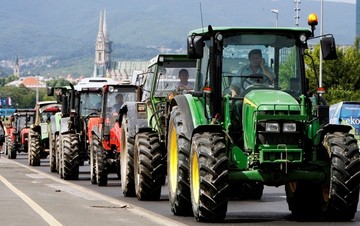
{"x":17,"y":139}
{"x":104,"y":132}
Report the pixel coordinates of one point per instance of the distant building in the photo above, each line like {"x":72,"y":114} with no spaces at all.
{"x":17,"y":67}
{"x":103,"y":64}
{"x":31,"y":82}
{"x":102,"y":49}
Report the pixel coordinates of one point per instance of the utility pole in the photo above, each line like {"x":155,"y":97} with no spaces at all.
{"x":276,"y":11}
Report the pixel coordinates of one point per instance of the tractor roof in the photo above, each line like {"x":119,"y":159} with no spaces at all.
{"x":94,"y":82}
{"x":269,"y":30}
{"x":168,"y":57}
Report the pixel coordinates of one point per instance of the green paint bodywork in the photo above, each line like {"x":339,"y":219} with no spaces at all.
{"x":267,"y":162}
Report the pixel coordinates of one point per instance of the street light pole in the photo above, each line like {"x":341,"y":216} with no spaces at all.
{"x":276,"y":11}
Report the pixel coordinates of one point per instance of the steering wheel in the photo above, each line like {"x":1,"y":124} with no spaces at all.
{"x":226,"y":80}
{"x":260,"y":78}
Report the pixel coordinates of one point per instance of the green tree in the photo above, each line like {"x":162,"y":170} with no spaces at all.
{"x":340,"y":77}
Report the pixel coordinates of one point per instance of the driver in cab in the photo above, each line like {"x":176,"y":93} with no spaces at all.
{"x":256,"y":68}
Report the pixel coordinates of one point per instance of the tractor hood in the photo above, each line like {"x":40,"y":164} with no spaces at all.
{"x":269,"y":99}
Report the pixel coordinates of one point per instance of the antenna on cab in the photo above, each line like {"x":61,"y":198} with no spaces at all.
{"x":201,"y":15}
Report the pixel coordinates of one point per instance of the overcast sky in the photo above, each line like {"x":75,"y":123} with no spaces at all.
{"x":349,"y":1}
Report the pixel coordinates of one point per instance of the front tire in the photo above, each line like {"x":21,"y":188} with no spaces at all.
{"x":178,"y":152}
{"x":93,"y":177}
{"x":71,"y":157}
{"x":53,"y":153}
{"x":127,"y":161}
{"x":34,"y":148}
{"x":149,"y":166}
{"x":12,"y":149}
{"x":209,"y":177}
{"x":101,"y":168}
{"x":343,"y":192}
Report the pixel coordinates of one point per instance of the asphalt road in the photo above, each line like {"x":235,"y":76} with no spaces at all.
{"x":34,"y":196}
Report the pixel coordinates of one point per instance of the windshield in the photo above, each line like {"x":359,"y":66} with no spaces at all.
{"x":90,"y":103}
{"x":21,"y":121}
{"x":170,"y":76}
{"x":258,"y":60}
{"x":116,"y":99}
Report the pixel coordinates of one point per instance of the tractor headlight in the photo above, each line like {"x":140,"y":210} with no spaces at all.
{"x":272,"y":127}
{"x":289,"y":127}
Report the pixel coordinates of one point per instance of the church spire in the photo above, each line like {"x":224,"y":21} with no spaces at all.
{"x":17,"y":67}
{"x":100,"y":35}
{"x":105,"y":31}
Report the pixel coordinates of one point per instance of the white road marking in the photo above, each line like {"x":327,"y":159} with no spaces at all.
{"x":35,"y":176}
{"x":136,"y":210}
{"x":43,"y":213}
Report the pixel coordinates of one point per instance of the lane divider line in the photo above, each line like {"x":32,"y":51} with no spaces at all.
{"x":136,"y":210}
{"x":38,"y":209}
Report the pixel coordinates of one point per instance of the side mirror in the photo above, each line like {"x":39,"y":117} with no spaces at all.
{"x":195,"y":47}
{"x":50,"y":91}
{"x":328,"y":48}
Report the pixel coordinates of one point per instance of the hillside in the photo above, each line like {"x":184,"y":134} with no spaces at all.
{"x":66,"y":29}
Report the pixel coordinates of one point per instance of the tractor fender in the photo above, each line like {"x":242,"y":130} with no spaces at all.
{"x":192,"y":111}
{"x":93,"y":127}
{"x":136,"y":120}
{"x":64,"y":125}
{"x":329,"y":128}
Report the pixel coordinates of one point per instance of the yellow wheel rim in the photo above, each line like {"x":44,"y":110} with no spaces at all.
{"x":173,"y":160}
{"x":195,"y":179}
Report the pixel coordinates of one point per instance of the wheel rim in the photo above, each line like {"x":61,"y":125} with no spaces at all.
{"x":195,"y":178}
{"x":173,"y":163}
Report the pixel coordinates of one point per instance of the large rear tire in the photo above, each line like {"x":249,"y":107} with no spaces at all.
{"x":342,"y":196}
{"x":34,"y":148}
{"x":127,"y":161}
{"x":71,"y":157}
{"x":101,"y":167}
{"x":149,"y":166}
{"x":178,"y":152}
{"x":209,"y":177}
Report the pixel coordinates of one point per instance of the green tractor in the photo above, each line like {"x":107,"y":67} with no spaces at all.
{"x":144,"y":125}
{"x":39,"y":136}
{"x":270,"y":133}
